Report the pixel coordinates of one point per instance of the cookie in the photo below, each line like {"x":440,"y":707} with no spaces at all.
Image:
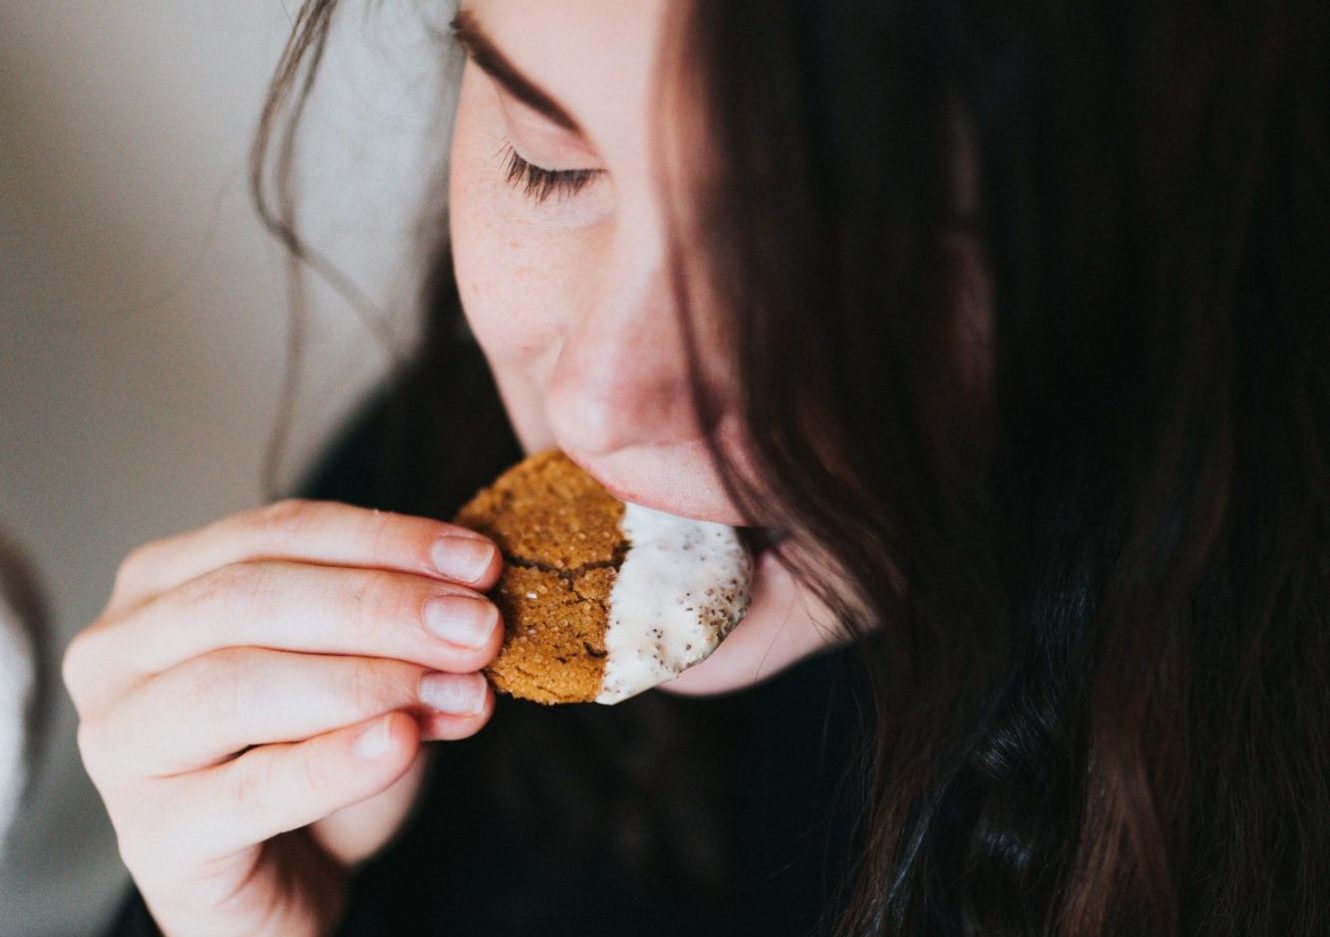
{"x":601,"y":599}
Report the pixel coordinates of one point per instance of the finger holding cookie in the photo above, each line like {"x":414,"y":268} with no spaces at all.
{"x":265,"y":683}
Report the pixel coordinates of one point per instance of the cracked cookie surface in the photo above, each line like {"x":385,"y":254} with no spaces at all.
{"x":558,"y":530}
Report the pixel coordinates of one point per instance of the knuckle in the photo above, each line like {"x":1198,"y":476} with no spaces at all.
{"x":375,"y":600}
{"x":89,"y":662}
{"x":72,"y":666}
{"x":83,"y":664}
{"x":372,"y":687}
{"x":233,"y":587}
{"x":282,"y":520}
{"x":88,"y":737}
{"x":134,"y":566}
{"x":380,"y":526}
{"x":317,"y":770}
{"x":216,"y":686}
{"x":249,"y":789}
{"x":103,"y":759}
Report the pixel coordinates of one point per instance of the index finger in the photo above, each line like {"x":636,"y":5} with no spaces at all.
{"x":319,"y":532}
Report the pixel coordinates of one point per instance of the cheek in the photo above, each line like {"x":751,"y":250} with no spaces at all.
{"x":505,"y":293}
{"x":517,"y":274}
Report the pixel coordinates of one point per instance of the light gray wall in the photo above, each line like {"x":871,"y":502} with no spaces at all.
{"x":143,"y":310}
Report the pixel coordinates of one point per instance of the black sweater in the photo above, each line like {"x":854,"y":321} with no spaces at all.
{"x":660,"y":816}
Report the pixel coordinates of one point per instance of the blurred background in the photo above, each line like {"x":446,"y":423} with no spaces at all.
{"x":143,"y":315}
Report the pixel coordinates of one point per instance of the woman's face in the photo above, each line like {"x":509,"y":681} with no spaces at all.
{"x":559,"y":242}
{"x":566,"y":289}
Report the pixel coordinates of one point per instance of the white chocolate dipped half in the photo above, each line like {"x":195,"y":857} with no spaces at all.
{"x":682,"y":586}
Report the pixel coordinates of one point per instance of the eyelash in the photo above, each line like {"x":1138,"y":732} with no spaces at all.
{"x":538,"y":183}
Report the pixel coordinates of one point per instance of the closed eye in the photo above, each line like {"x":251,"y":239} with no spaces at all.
{"x":539,"y":183}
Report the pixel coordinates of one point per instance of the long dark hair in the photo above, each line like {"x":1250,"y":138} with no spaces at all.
{"x":1031,"y":305}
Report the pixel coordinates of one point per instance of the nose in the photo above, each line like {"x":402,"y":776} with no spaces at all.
{"x":621,"y":377}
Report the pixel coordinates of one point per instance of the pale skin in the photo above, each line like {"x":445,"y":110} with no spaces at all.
{"x":254,"y":697}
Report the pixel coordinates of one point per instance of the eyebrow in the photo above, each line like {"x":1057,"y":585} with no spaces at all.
{"x":466,"y":30}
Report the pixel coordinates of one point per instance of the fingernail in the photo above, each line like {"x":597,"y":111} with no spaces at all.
{"x":374,"y":741}
{"x":461,"y":620}
{"x":462,"y":558}
{"x":459,"y":694}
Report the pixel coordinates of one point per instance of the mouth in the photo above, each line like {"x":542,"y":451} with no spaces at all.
{"x":757,"y":540}
{"x":633,"y":497}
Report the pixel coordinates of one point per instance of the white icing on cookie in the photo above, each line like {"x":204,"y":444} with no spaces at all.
{"x":682,"y":586}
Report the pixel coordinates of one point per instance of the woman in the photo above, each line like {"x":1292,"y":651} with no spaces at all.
{"x":1011,"y":321}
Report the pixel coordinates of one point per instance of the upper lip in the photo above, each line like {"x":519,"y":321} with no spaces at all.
{"x":646,"y":502}
{"x":624,"y":495}
{"x":709,"y":511}
{"x":759,"y":538}
{"x":633,"y":497}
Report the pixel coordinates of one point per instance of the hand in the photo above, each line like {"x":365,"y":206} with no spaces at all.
{"x":253,"y":697}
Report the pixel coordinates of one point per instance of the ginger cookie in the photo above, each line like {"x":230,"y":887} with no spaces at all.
{"x":601,"y":599}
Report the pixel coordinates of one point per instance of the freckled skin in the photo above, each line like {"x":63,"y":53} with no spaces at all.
{"x":569,"y":297}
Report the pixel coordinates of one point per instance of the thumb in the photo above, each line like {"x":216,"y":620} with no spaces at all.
{"x":355,"y":833}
